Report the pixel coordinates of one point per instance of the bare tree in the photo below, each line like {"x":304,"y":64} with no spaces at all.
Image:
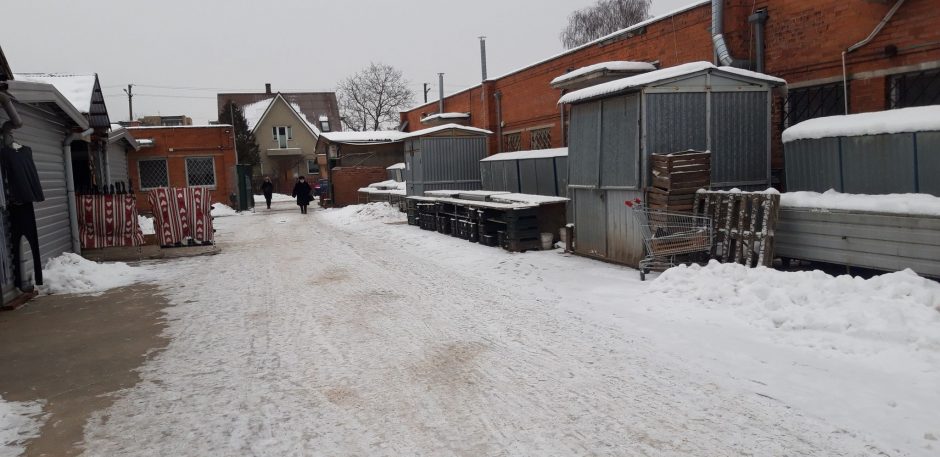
{"x":604,"y":18}
{"x":372,"y":98}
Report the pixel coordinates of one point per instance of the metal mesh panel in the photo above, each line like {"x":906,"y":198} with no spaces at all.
{"x":153,"y":174}
{"x":200,"y":171}
{"x":512,"y":142}
{"x":914,"y":89}
{"x":812,"y":102}
{"x":541,"y":138}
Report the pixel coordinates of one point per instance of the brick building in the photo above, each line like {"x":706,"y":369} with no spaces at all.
{"x":803,"y":43}
{"x":183,"y":156}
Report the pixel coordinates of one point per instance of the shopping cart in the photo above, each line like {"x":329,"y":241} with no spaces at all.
{"x":668,"y":235}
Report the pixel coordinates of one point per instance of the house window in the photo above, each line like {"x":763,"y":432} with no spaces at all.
{"x":512,"y":142}
{"x":200,"y":171}
{"x":153,"y":173}
{"x":324,"y":124}
{"x":914,"y":89}
{"x":313,"y":168}
{"x":281,"y":135}
{"x":540,"y":138}
{"x":811,"y":102}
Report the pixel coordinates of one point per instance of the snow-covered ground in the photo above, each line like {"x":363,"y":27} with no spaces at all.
{"x":275,"y":198}
{"x":73,"y":274}
{"x":222,"y":210}
{"x":346,"y":332}
{"x":146,"y":225}
{"x":19,"y":422}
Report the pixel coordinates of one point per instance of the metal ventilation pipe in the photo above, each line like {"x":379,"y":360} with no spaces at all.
{"x":15,"y":122}
{"x":758,"y":19}
{"x":440,"y":91}
{"x":718,"y":39}
{"x":483,"y":56}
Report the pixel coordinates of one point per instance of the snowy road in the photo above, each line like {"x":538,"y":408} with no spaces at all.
{"x":308,"y":336}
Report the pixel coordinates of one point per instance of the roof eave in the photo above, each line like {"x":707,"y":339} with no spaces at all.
{"x":33,"y":92}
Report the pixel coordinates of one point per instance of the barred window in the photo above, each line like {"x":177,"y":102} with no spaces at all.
{"x":920,"y":88}
{"x":200,"y":171}
{"x":815,"y":101}
{"x":153,"y":173}
{"x":512,"y":142}
{"x":541,"y":138}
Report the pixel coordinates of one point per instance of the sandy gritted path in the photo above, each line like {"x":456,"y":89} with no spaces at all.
{"x":309,"y":338}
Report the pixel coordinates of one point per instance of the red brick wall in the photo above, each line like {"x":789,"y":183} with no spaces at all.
{"x":348,"y":180}
{"x":804,"y":42}
{"x":175,"y":144}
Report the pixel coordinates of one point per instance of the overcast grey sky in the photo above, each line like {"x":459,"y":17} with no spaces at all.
{"x":297,"y":45}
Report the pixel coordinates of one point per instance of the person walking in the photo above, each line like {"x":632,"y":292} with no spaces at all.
{"x":302,"y":193}
{"x":267,"y":188}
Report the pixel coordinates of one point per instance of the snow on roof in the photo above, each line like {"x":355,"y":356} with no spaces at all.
{"x":664,"y":74}
{"x":379,"y":136}
{"x":617,"y":65}
{"x":918,"y":119}
{"x":439,"y":128}
{"x":397,"y":166}
{"x":254,"y":112}
{"x":632,"y":28}
{"x":323,"y":118}
{"x":77,"y":88}
{"x":527,"y":198}
{"x":446,"y":116}
{"x":208,"y":126}
{"x":906,"y":204}
{"x":145,"y":142}
{"x":520,"y":155}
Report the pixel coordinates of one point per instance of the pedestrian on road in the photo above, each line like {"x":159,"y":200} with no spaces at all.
{"x":267,"y":188}
{"x":302,"y":192}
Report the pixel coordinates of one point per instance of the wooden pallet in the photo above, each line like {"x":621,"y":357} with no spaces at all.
{"x":744,"y":225}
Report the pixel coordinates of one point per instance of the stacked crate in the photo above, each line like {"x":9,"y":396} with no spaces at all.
{"x":676,"y":179}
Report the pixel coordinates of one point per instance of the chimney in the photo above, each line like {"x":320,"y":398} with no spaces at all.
{"x":483,"y":56}
{"x":267,"y":88}
{"x":440,"y":88}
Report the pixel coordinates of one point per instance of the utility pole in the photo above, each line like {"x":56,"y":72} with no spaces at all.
{"x":426,"y":90}
{"x":130,"y":101}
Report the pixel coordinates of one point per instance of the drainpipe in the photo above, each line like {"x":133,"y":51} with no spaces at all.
{"x":718,"y":39}
{"x":881,"y":25}
{"x":499,"y":121}
{"x":759,"y":18}
{"x":70,"y":185}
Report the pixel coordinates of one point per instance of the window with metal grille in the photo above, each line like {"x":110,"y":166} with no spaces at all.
{"x":540,"y":138}
{"x":200,"y":171}
{"x":920,"y":88}
{"x":153,"y":173}
{"x":512,"y":142}
{"x":811,"y":102}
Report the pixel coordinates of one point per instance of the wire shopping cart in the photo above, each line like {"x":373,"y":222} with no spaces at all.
{"x":669,"y":234}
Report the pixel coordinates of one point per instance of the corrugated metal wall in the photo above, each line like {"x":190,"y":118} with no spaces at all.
{"x":928,"y":162}
{"x":871,"y":164}
{"x":117,"y":163}
{"x":675,"y":122}
{"x":590,"y":222}
{"x":624,"y":239}
{"x":620,"y":142}
{"x":528,"y":176}
{"x":500,"y":175}
{"x":584,"y":144}
{"x":6,"y":254}
{"x":445,"y":163}
{"x":739,"y":139}
{"x":561,"y":174}
{"x":813,"y":165}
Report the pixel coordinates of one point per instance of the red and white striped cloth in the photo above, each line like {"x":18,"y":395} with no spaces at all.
{"x":106,"y":221}
{"x":182,"y":213}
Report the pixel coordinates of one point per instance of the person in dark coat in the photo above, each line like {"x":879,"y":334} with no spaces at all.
{"x":267,"y":188}
{"x":302,"y":192}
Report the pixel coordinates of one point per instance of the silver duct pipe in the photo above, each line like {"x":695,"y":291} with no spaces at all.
{"x":440,"y":91}
{"x":881,"y":25}
{"x":70,"y":186}
{"x":718,"y":39}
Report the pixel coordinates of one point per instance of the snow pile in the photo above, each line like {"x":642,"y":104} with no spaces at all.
{"x":220,"y":210}
{"x":19,"y":422}
{"x":446,"y":116}
{"x":146,"y":225}
{"x":899,"y":307}
{"x":527,"y":198}
{"x":617,"y":65}
{"x":72,"y":274}
{"x":275,"y":198}
{"x":397,"y":166}
{"x":917,"y":119}
{"x":913,"y":204}
{"x":379,"y":211}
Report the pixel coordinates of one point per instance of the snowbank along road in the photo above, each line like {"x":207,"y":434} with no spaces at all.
{"x":339,"y":333}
